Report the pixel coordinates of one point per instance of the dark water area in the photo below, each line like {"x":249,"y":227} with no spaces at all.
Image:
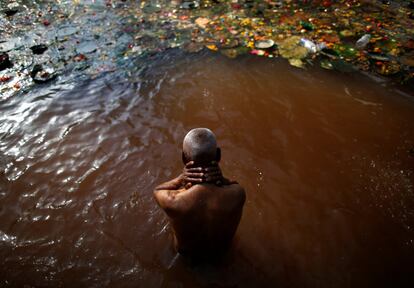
{"x":326,"y":159}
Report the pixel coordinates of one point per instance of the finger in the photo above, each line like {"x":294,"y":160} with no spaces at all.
{"x":194,"y":175}
{"x":188,"y":185}
{"x":197,"y":169}
{"x":191,"y":163}
{"x":191,"y":178}
{"x":195,"y":180}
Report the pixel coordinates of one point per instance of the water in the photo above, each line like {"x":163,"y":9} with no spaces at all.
{"x":326,"y":159}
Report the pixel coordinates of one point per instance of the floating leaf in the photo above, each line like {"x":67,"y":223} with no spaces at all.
{"x":297,"y":63}
{"x":231,"y":53}
{"x":389,"y":68}
{"x":326,"y":64}
{"x":289,"y":43}
{"x":347,"y":33}
{"x":306,"y":25}
{"x":298,"y":52}
{"x":342,"y":66}
{"x":212,"y":47}
{"x":345,"y":51}
{"x":292,"y":49}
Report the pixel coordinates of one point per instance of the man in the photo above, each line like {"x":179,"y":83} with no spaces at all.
{"x":204,"y":208}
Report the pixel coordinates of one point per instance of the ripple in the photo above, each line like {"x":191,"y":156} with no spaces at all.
{"x":79,"y":162}
{"x":8,"y":239}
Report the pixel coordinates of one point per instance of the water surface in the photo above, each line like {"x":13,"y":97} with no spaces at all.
{"x":326,"y":159}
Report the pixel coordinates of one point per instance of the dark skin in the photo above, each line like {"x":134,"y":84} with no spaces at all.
{"x":203,"y":207}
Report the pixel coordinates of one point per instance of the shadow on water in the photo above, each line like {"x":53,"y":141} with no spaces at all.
{"x":324,"y":157}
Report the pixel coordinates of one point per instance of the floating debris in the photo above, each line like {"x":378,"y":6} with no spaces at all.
{"x":326,"y":64}
{"x":258,"y":52}
{"x":230,"y":53}
{"x":296,"y":62}
{"x":87,"y":47}
{"x":5,"y":61}
{"x":38,"y":49}
{"x":379,"y":57}
{"x":347,"y":33}
{"x":264,"y":44}
{"x":363,"y":41}
{"x":306,"y":25}
{"x":190,"y":5}
{"x":4,"y":79}
{"x":291,"y":48}
{"x":388,"y":68}
{"x":202,"y":22}
{"x":342,"y":35}
{"x":150,"y":8}
{"x":79,"y":58}
{"x":312,"y":47}
{"x":12,"y":9}
{"x":66,"y":31}
{"x":42,"y":75}
{"x":212,"y":47}
{"x":342,"y":66}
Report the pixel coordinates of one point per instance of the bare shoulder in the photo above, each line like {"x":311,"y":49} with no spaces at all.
{"x":173,"y":202}
{"x":236,"y":191}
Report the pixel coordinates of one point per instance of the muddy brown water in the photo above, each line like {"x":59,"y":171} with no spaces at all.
{"x":326,"y":159}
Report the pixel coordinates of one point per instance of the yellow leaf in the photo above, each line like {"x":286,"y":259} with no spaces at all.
{"x":212,"y":47}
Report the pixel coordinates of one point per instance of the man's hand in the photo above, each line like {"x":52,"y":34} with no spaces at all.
{"x":191,"y":175}
{"x":194,"y":175}
{"x":213,"y":174}
{"x":210,"y":174}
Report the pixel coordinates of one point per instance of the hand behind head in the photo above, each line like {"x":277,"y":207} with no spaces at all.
{"x":195,"y":173}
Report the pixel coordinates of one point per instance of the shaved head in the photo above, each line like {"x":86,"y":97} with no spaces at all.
{"x":200,"y":145}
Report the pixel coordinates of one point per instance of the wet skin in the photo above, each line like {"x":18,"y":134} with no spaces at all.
{"x":204,"y":209}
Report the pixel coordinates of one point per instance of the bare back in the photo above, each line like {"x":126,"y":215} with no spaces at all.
{"x":208,"y":218}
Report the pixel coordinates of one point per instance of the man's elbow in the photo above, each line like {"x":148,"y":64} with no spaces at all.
{"x":157,"y":196}
{"x":165,"y":202}
{"x":162,"y":198}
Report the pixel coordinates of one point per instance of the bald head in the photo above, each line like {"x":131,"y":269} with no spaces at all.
{"x":200,"y":145}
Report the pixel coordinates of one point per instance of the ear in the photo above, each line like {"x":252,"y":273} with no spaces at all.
{"x":184,"y":158}
{"x":218,"y":155}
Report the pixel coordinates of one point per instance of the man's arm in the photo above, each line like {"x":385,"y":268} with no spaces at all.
{"x":166,"y":200}
{"x":165,"y":194}
{"x":173,"y":184}
{"x":190,"y":175}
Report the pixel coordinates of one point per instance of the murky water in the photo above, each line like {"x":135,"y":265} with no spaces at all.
{"x":326,"y":159}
